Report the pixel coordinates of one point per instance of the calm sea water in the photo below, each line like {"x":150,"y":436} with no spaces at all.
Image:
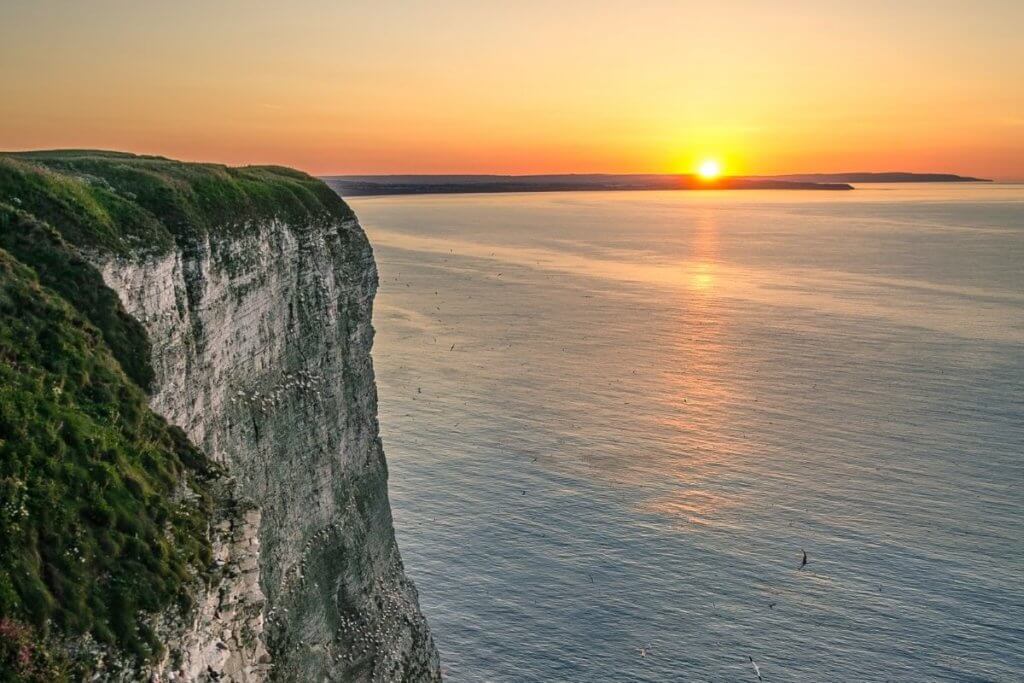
{"x":614,"y":421}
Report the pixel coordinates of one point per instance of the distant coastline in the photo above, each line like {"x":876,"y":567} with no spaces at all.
{"x":351,"y":186}
{"x":367,"y":185}
{"x":887,"y":177}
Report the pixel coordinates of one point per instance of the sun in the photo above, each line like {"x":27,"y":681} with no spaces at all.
{"x":709,"y":169}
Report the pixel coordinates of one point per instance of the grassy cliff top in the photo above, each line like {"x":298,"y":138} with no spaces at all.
{"x":127,"y":203}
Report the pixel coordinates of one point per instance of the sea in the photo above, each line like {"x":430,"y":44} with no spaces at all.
{"x":615,"y":422}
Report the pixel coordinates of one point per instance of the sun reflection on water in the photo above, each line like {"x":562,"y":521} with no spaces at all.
{"x":698,"y":392}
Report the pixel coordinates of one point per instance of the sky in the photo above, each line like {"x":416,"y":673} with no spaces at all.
{"x":476,"y":86}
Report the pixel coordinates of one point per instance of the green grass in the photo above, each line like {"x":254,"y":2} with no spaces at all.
{"x":130,"y":204}
{"x":92,"y":534}
{"x":59,"y":267}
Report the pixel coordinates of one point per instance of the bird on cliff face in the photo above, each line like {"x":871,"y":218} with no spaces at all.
{"x":803,"y":562}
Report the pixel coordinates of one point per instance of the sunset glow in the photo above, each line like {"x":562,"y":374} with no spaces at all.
{"x":466,"y":87}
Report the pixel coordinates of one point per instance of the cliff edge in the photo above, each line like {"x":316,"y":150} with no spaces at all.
{"x":234,"y":305}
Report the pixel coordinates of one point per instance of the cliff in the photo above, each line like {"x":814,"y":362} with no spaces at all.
{"x":247,"y":296}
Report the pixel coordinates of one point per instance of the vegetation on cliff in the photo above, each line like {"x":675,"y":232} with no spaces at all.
{"x":96,"y":526}
{"x":125,"y":203}
{"x":60,"y":268}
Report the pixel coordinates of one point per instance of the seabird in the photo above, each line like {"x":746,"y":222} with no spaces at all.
{"x":803,"y":562}
{"x":757,"y":670}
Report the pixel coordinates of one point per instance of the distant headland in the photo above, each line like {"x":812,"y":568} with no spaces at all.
{"x":888,"y":177}
{"x":363,"y":185}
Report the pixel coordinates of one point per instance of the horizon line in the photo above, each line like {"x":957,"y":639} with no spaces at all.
{"x":334,"y":174}
{"x":645,"y":173}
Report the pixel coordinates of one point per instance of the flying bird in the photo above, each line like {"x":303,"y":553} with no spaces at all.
{"x":757,"y":669}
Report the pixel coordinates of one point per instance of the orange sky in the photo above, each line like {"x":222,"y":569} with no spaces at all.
{"x":525,"y":86}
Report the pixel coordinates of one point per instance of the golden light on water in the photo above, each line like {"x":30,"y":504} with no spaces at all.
{"x":709,"y":169}
{"x":700,"y":393}
{"x":702,"y":277}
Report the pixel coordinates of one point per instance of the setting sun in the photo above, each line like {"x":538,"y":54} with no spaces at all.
{"x":709,"y":169}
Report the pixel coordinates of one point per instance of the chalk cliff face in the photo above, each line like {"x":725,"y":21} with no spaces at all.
{"x":260,"y":350}
{"x":223,"y":635}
